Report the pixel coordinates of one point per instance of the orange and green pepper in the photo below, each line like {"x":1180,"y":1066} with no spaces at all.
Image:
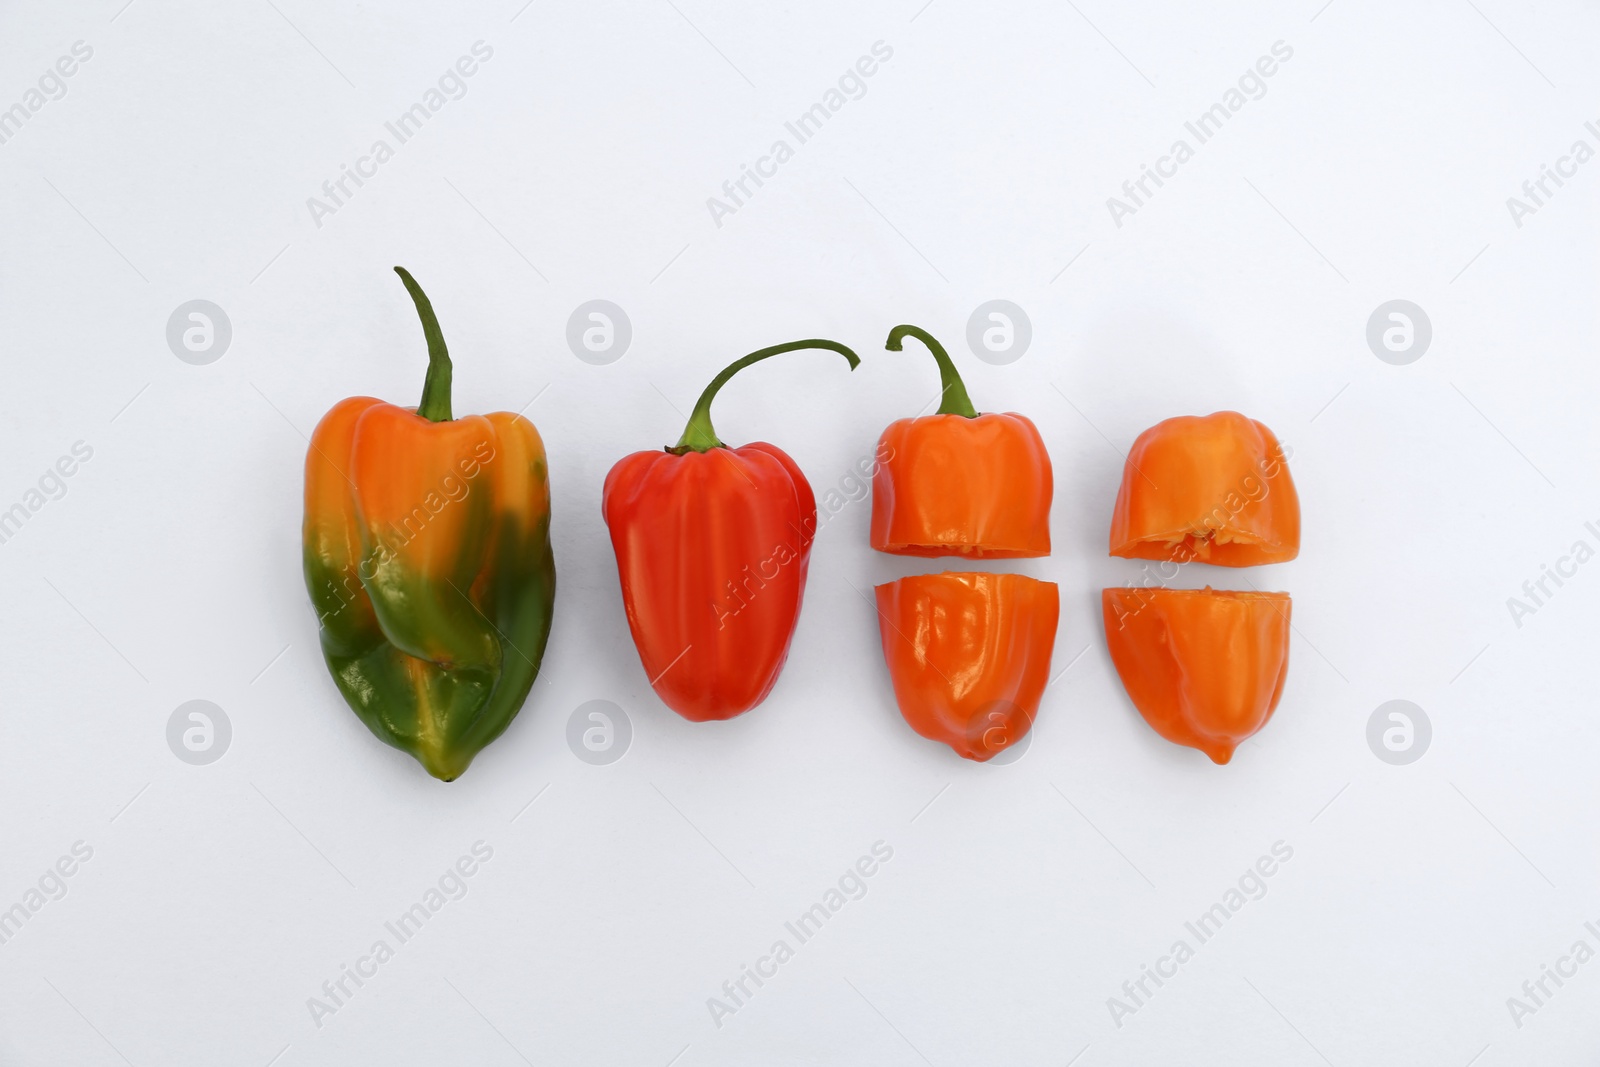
{"x":427,"y":557}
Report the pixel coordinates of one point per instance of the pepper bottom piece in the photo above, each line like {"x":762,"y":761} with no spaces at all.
{"x":969,"y":655}
{"x":1205,"y":667}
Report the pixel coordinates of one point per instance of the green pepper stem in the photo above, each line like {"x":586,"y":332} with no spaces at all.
{"x":435,"y":404}
{"x":954,"y":399}
{"x":699,"y":436}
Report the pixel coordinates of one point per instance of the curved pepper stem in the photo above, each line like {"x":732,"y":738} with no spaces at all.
{"x":954,"y":399}
{"x":435,"y":403}
{"x":699,"y":436}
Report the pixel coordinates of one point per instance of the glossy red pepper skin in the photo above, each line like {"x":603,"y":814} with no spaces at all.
{"x":712,"y":550}
{"x":712,"y":547}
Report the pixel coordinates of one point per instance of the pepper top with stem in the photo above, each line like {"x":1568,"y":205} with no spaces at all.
{"x":698,"y":435}
{"x":435,"y":403}
{"x":953,"y":394}
{"x":960,"y":482}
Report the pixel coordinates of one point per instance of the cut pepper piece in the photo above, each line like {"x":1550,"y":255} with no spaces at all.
{"x":957,"y":483}
{"x":1214,"y":489}
{"x":969,"y":655}
{"x":1205,"y":667}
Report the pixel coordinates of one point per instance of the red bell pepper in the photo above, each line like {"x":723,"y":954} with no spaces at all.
{"x":712,"y":545}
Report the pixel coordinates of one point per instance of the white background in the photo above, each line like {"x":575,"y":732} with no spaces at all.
{"x":977,"y":166}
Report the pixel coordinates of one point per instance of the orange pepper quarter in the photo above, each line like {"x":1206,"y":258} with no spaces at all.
{"x":1213,"y":488}
{"x":1205,"y":667}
